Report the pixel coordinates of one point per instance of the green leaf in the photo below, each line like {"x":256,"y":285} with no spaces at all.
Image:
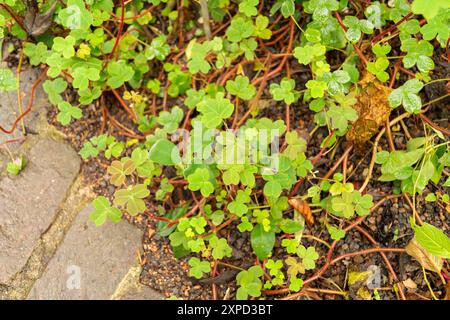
{"x":295,"y":284}
{"x":200,"y":180}
{"x":220,"y":247}
{"x":262,"y":241}
{"x":67,"y":112}
{"x":340,"y":117}
{"x":64,"y":46}
{"x":103,"y":211}
{"x":407,"y":95}
{"x":429,"y":10}
{"x":164,"y":152}
{"x":241,"y":88}
{"x":119,"y":73}
{"x":317,"y":88}
{"x":248,"y":7}
{"x":16,"y":166}
{"x":75,"y":15}
{"x":272,"y":189}
{"x":7,"y":80}
{"x":54,"y":89}
{"x":198,"y":268}
{"x":296,"y":145}
{"x":286,"y":7}
{"x":285,"y":91}
{"x":239,"y":29}
{"x":119,"y":170}
{"x":88,"y":151}
{"x":215,"y":110}
{"x":37,"y":53}
{"x":158,"y":49}
{"x":437,"y":28}
{"x":309,"y":256}
{"x":245,"y":225}
{"x":132,"y":198}
{"x":336,"y":233}
{"x":309,"y":53}
{"x":171,"y":120}
{"x":433,"y":240}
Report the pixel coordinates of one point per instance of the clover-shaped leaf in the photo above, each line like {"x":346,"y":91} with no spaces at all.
{"x":340,"y":116}
{"x":303,"y":165}
{"x":82,"y":76}
{"x":238,"y":205}
{"x":249,"y":283}
{"x":248,"y":7}
{"x":131,"y":198}
{"x":215,"y":110}
{"x":158,"y":49}
{"x":245,"y":225}
{"x":418,"y":53}
{"x":171,"y":120}
{"x":193,"y":97}
{"x":290,"y":245}
{"x":407,"y":95}
{"x":241,"y":88}
{"x":54,"y":89}
{"x":437,"y":27}
{"x":64,"y":46}
{"x":67,"y":112}
{"x":88,"y":151}
{"x":261,"y":30}
{"x":75,"y":15}
{"x":220,"y":248}
{"x":119,"y":73}
{"x":198,"y":267}
{"x":37,"y":53}
{"x":197,"y":58}
{"x":274,"y":266}
{"x":378,"y":68}
{"x":305,"y":55}
{"x":309,"y":256}
{"x":103,"y":211}
{"x":119,"y":170}
{"x":295,"y":284}
{"x":427,"y":9}
{"x":317,"y":88}
{"x":343,"y":205}
{"x":336,"y":233}
{"x":294,"y":265}
{"x":200,"y":180}
{"x":356,"y":27}
{"x":363,"y":203}
{"x":284,"y":91}
{"x":239,"y":29}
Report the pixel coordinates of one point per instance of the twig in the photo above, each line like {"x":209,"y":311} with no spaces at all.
{"x":205,"y":17}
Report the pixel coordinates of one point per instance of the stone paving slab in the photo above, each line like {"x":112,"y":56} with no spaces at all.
{"x":29,"y":202}
{"x":9,"y":105}
{"x":91,"y":262}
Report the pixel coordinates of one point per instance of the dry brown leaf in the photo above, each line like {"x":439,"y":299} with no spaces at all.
{"x":373,"y":110}
{"x":409,"y":284}
{"x":304,"y":209}
{"x":426,"y":259}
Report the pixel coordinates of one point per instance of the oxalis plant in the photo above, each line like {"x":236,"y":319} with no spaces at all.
{"x":201,"y":160}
